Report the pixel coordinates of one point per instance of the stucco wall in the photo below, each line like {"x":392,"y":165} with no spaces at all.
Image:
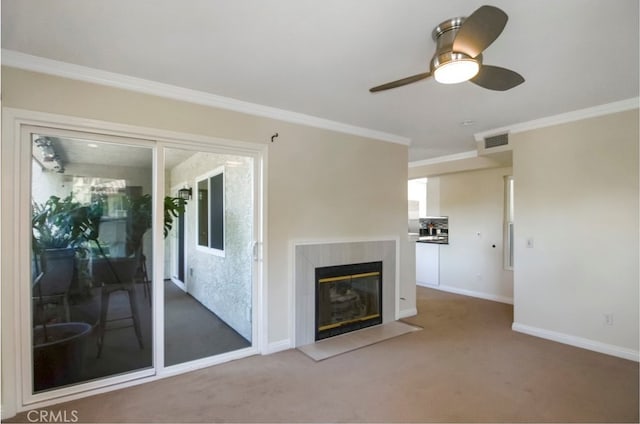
{"x":222,"y":284}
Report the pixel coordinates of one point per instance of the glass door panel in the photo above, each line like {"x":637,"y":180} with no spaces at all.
{"x":91,"y":249}
{"x":208,"y":309}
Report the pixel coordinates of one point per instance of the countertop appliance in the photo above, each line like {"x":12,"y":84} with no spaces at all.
{"x":434,"y":229}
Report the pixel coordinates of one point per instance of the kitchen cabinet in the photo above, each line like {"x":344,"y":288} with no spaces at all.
{"x":427,"y":264}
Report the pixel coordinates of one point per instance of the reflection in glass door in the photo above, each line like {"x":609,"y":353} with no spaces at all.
{"x":211,"y":312}
{"x":175,"y":250}
{"x":91,"y":249}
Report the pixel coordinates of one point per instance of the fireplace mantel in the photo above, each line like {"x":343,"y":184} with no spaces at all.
{"x":311,"y":255}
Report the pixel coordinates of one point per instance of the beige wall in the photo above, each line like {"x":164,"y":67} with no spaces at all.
{"x":576,"y":198}
{"x":474,"y":203}
{"x":322,"y":184}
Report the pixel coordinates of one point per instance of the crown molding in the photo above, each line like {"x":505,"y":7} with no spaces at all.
{"x":111,"y":79}
{"x":563,"y":118}
{"x":448,"y":158}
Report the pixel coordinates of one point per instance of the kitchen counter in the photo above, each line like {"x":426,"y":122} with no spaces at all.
{"x":440,"y":239}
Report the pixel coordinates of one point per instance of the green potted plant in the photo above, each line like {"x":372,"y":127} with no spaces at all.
{"x":60,"y":228}
{"x":140,"y":218}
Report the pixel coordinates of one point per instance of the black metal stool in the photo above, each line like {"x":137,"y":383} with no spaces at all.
{"x":116,"y":274}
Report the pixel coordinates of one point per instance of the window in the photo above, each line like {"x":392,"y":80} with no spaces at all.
{"x":417,"y":194}
{"x":508,"y":222}
{"x":211,"y":211}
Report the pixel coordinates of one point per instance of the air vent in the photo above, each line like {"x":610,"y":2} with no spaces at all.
{"x":496,"y":141}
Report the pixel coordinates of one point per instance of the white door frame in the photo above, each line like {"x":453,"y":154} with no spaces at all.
{"x":15,"y":233}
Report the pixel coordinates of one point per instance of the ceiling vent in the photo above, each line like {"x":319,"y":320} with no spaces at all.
{"x":496,"y":141}
{"x":493,"y":144}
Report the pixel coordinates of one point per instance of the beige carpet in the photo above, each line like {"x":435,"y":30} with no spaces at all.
{"x":466,"y":365}
{"x":343,"y":343}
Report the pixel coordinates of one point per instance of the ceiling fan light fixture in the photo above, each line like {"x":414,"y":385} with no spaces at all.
{"x":456,"y":70}
{"x":460,"y":43}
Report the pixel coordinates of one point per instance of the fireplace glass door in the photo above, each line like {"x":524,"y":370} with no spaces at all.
{"x":348,"y":298}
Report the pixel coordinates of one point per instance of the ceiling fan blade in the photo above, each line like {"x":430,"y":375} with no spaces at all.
{"x":496,"y":78}
{"x":401,"y":82}
{"x":479,"y":30}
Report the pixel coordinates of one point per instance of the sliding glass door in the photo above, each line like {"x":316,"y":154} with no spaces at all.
{"x":142,"y":259}
{"x":91,"y":251}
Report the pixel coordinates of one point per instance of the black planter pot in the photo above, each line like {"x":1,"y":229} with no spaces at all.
{"x":59,"y":361}
{"x":53,"y":285}
{"x":57,"y":265}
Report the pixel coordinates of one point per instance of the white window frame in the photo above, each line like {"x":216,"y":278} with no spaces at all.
{"x":207,"y":177}
{"x":412,"y":188}
{"x":508,"y":234}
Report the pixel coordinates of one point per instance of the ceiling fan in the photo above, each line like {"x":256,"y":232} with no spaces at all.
{"x":458,"y":57}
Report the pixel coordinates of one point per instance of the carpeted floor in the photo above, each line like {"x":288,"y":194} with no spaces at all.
{"x":466,"y":365}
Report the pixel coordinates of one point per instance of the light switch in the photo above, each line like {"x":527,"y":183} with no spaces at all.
{"x":530,"y":243}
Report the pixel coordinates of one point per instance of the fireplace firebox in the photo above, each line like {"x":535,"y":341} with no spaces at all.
{"x":348,"y":298}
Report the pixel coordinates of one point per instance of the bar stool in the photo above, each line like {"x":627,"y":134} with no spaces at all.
{"x":143,"y":278}
{"x":116,"y":274}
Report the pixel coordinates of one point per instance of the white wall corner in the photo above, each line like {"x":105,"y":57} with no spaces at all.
{"x":568,"y":339}
{"x":279,"y":346}
{"x":406,"y":313}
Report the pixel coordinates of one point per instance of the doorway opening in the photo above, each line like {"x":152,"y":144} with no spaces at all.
{"x":208,"y":299}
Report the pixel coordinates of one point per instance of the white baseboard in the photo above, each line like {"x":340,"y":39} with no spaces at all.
{"x":421,"y":284}
{"x":608,"y":349}
{"x":278,"y":346}
{"x":406,"y":313}
{"x":472,"y":293}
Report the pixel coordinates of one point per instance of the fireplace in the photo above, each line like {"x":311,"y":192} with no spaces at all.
{"x":348,"y":298}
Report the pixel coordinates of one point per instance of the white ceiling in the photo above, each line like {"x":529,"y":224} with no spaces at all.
{"x":320,"y":58}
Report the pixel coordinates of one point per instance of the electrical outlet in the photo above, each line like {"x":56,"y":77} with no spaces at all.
{"x":608,"y":319}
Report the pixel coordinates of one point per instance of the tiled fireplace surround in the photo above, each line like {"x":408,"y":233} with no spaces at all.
{"x":309,"y":256}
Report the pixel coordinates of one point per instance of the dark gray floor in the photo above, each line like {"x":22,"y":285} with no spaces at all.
{"x":191,"y":332}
